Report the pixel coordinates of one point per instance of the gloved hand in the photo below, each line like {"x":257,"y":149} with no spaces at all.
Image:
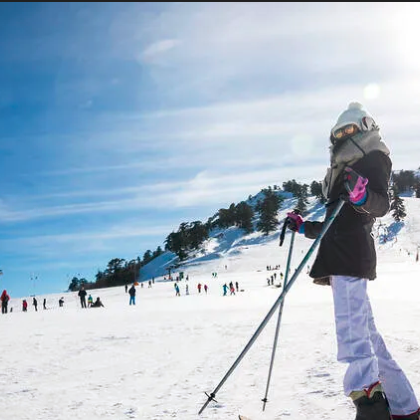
{"x":295,"y":222}
{"x":355,"y":185}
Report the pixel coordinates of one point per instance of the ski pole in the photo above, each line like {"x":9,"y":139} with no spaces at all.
{"x":327,"y":224}
{"x":276,"y":335}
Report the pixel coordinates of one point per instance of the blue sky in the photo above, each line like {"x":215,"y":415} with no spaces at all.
{"x":119,"y":121}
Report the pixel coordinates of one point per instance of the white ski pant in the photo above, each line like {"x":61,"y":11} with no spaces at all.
{"x":362,"y":347}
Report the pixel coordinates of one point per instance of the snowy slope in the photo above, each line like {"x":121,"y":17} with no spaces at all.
{"x":154,"y":360}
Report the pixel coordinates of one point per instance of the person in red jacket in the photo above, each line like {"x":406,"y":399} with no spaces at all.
{"x":4,"y":301}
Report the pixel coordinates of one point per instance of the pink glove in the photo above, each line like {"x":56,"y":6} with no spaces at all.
{"x":355,"y":184}
{"x":295,"y":222}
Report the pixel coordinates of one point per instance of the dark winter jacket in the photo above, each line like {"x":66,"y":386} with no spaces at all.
{"x":348,"y":247}
{"x":97,"y":304}
{"x":82,"y":293}
{"x":132,"y":291}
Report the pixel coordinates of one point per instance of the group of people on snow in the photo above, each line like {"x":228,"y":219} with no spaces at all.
{"x":82,"y":295}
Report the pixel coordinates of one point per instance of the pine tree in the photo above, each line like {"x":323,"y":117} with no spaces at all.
{"x":291,"y":186}
{"x":243,"y":216}
{"x":316,"y":190}
{"x":417,"y":189}
{"x":302,"y":196}
{"x":227,"y":217}
{"x":397,"y":205}
{"x":404,"y":180}
{"x":268,"y":209}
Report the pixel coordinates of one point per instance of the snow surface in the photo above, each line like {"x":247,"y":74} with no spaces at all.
{"x":155,"y":360}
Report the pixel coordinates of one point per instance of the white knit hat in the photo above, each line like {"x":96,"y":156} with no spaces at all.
{"x":354,"y":114}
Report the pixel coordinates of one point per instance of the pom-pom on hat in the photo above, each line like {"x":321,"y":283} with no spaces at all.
{"x":355,"y":114}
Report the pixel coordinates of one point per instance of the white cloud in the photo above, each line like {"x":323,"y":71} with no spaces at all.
{"x":155,"y":50}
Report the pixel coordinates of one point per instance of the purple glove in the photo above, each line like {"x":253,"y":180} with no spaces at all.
{"x":355,"y":184}
{"x":295,"y":222}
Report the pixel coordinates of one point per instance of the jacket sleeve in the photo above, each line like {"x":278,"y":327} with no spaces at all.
{"x":376,"y":167}
{"x":313,"y":229}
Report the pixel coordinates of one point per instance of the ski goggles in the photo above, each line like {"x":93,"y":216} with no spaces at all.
{"x":351,"y":129}
{"x":344,"y":132}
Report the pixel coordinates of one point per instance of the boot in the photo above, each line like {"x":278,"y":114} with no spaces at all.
{"x":371,"y":403}
{"x":414,"y":416}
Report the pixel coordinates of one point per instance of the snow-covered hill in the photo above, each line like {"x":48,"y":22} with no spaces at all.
{"x":155,"y":360}
{"x":227,"y":246}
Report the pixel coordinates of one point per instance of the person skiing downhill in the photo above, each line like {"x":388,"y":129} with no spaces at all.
{"x":360,"y":172}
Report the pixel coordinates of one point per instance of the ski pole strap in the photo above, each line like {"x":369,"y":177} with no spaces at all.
{"x":285,"y":223}
{"x":283,"y":230}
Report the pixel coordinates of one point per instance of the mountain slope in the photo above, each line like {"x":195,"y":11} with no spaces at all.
{"x":227,"y":246}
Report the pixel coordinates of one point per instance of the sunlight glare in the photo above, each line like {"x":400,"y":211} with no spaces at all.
{"x":407,"y":31}
{"x":371,"y":91}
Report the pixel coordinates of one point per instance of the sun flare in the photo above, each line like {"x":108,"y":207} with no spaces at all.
{"x":407,"y":34}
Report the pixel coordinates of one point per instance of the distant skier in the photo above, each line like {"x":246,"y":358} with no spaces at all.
{"x":205,"y":288}
{"x":199,"y":287}
{"x":61,"y":302}
{"x":35,"y":304}
{"x":4,"y":301}
{"x":360,"y":171}
{"x":177,"y":290}
{"x":237,"y":286}
{"x":24,"y":305}
{"x":225,"y":289}
{"x":187,"y":290}
{"x":132,"y":293}
{"x":44,"y":303}
{"x":82,"y":295}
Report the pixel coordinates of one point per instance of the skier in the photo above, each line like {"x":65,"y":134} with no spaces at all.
{"x":44,"y":303}
{"x":35,"y":303}
{"x":225,"y":289}
{"x":82,"y":295}
{"x":132,"y":293}
{"x":177,"y":290}
{"x":4,"y":301}
{"x":237,"y":286}
{"x":24,"y":305}
{"x":61,"y":302}
{"x":199,"y":287}
{"x":206,"y":288}
{"x":360,"y":172}
{"x":187,"y":292}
